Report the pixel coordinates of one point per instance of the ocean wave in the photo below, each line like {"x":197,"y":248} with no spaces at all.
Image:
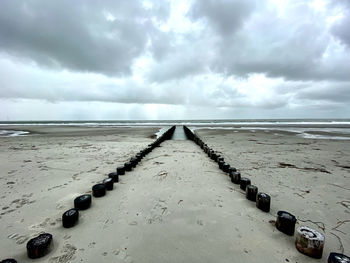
{"x":12,"y":133}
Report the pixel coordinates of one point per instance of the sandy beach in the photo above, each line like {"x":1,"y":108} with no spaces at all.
{"x":176,"y":205}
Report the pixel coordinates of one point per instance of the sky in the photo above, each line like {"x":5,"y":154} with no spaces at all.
{"x":183,"y":59}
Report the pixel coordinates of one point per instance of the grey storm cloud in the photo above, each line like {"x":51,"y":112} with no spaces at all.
{"x":239,"y":38}
{"x":341,"y":29}
{"x":292,"y":47}
{"x":226,"y":16}
{"x":179,"y":62}
{"x":338,"y":92}
{"x":78,"y":35}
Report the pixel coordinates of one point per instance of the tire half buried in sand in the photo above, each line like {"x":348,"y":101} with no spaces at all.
{"x":309,"y":242}
{"x":121,"y":170}
{"x":286,"y":222}
{"x":82,"y":202}
{"x":235,"y":177}
{"x":114,"y":176}
{"x":338,"y":258}
{"x":251,"y":192}
{"x":226,"y":167}
{"x":8,"y":260}
{"x":263,"y":202}
{"x":128,"y":166}
{"x":244,"y":182}
{"x":39,"y":246}
{"x":99,"y":190}
{"x":108,"y":182}
{"x":70,"y":218}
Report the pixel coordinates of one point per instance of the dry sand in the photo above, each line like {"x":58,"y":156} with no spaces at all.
{"x":176,"y":206}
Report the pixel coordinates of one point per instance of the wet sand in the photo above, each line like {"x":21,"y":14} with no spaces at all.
{"x":176,"y":205}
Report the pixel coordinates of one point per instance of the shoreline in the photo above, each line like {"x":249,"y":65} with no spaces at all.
{"x":321,"y":132}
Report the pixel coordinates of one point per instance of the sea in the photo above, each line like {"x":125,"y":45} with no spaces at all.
{"x":335,"y":129}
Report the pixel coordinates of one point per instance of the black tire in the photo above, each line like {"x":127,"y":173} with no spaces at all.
{"x":8,"y":260}
{"x":235,"y":177}
{"x":128,"y":166}
{"x":206,"y":149}
{"x":251,"y":192}
{"x":220,"y":159}
{"x":232,"y":170}
{"x":108,"y":182}
{"x":217,"y":157}
{"x":134,"y":161}
{"x":139,"y":157}
{"x":225,"y":167}
{"x":309,"y":242}
{"x":338,"y":258}
{"x":82,"y":202}
{"x":121,"y":170}
{"x":244,"y":182}
{"x":114,"y":177}
{"x":142,"y":153}
{"x":221,"y":163}
{"x":263,"y":202}
{"x":39,"y":246}
{"x":286,"y":223}
{"x":70,"y":218}
{"x":99,"y":190}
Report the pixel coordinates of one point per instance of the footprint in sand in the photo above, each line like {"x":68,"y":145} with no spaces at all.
{"x":200,"y":222}
{"x":68,"y":252}
{"x":19,"y":238}
{"x":123,"y":255}
{"x":42,"y":225}
{"x":157,"y":212}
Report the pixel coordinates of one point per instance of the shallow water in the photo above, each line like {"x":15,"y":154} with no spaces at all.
{"x":179,"y":134}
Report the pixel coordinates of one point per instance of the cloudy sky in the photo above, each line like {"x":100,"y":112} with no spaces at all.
{"x":183,"y":59}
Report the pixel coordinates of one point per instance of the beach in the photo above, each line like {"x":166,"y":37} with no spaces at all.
{"x":306,"y":177}
{"x":176,"y":205}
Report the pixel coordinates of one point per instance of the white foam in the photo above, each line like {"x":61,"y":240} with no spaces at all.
{"x":161,"y":131}
{"x":322,"y":137}
{"x":12,"y":133}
